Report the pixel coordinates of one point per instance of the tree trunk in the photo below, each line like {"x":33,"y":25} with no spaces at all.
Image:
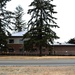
{"x":40,"y":33}
{"x":40,"y":49}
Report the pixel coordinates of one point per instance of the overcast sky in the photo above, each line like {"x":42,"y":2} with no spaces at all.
{"x":65,"y":15}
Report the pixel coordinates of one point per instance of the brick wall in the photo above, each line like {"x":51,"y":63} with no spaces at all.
{"x":64,"y":50}
{"x":16,"y":48}
{"x":56,"y":50}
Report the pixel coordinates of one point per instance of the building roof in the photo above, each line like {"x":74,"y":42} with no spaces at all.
{"x":18,"y":33}
{"x":65,"y":43}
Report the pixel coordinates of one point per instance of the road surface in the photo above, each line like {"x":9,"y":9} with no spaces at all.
{"x":39,"y":62}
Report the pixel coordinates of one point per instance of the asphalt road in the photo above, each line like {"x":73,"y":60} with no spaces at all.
{"x":39,"y":62}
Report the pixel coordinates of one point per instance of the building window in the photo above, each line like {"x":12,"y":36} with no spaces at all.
{"x":43,"y":50}
{"x":11,"y":50}
{"x":11,"y":40}
{"x":21,"y":50}
{"x":33,"y":50}
{"x":21,"y":41}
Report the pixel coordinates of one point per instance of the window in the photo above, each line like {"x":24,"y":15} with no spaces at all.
{"x":21,"y":41}
{"x":21,"y":50}
{"x":1,"y":50}
{"x":11,"y":50}
{"x":11,"y":40}
{"x":33,"y":50}
{"x":43,"y":50}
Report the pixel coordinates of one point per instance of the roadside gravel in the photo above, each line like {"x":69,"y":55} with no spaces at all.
{"x":37,"y":70}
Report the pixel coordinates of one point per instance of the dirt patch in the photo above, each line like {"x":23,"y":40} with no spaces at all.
{"x":38,"y":70}
{"x":34,"y":57}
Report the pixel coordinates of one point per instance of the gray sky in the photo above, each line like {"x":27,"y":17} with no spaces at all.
{"x":65,"y":15}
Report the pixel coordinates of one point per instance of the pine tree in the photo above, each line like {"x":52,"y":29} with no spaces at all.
{"x":5,"y":16}
{"x":3,"y":38}
{"x":40,"y":25}
{"x":72,"y":41}
{"x":4,"y":24}
{"x":19,"y":24}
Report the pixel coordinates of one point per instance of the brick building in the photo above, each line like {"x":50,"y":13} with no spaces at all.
{"x":63,"y":49}
{"x":16,"y":47}
{"x":15,"y":43}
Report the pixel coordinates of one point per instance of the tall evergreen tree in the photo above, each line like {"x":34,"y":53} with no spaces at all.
{"x":4,"y":23}
{"x":40,"y":25}
{"x":5,"y":16}
{"x":72,"y":41}
{"x":3,"y":38}
{"x":19,"y":24}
